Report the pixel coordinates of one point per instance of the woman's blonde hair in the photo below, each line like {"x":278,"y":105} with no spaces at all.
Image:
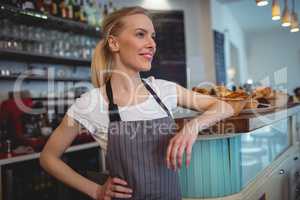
{"x":102,"y":57}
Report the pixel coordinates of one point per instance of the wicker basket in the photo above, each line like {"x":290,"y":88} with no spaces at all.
{"x":237,"y":104}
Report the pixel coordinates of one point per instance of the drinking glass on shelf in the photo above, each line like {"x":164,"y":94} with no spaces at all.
{"x":43,"y":35}
{"x":6,"y":28}
{"x":37,"y":34}
{"x":61,"y":47}
{"x":23,"y":32}
{"x":94,"y":42}
{"x":3,"y":26}
{"x":77,"y":39}
{"x":17,"y":45}
{"x":53,"y":35}
{"x":55,"y":48}
{"x":30,"y":33}
{"x":28,"y":46}
{"x":15,"y":32}
{"x":47,"y":47}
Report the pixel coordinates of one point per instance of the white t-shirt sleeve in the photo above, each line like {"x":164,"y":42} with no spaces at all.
{"x":87,"y":112}
{"x":166,"y":91}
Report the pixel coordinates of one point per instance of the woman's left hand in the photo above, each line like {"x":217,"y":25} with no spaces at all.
{"x":181,"y":142}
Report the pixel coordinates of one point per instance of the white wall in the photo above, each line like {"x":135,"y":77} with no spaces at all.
{"x":198,"y":34}
{"x":223,"y":21}
{"x":274,"y":57}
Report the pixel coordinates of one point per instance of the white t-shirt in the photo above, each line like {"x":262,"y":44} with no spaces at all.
{"x":91,"y":109}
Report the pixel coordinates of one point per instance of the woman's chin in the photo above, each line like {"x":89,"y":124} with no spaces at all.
{"x":145,"y":68}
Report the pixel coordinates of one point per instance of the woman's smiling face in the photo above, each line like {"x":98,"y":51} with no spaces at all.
{"x":134,"y":47}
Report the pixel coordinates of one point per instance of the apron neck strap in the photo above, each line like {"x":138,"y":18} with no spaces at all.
{"x":114,"y":114}
{"x":112,"y":107}
{"x":157,"y":98}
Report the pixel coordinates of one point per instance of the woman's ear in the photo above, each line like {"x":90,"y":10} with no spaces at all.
{"x":113,"y":44}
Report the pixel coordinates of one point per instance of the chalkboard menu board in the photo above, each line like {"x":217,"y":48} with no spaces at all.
{"x":219,"y":39}
{"x":170,"y":60}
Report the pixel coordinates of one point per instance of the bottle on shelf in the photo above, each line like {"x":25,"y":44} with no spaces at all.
{"x":28,"y":5}
{"x":29,"y":125}
{"x":45,"y":126}
{"x":90,"y":12}
{"x":54,"y":8}
{"x":16,"y":3}
{"x":39,"y":5}
{"x":76,"y":10}
{"x":82,"y":17}
{"x":8,"y":148}
{"x":47,"y":6}
{"x":63,"y":9}
{"x":110,"y":7}
{"x":70,"y":6}
{"x":105,"y":11}
{"x":98,"y":13}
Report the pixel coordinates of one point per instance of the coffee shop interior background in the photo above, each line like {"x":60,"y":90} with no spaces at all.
{"x":243,"y":24}
{"x":46,"y":48}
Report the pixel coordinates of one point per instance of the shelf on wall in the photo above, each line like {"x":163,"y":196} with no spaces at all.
{"x":48,"y":21}
{"x":42,"y":78}
{"x":27,"y":56}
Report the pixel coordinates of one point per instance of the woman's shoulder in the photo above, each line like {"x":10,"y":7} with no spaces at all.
{"x":165,"y":89}
{"x":90,"y":95}
{"x":89,"y":101}
{"x":158,"y":82}
{"x":89,"y":111}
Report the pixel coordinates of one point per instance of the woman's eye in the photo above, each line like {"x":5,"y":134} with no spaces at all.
{"x":140,"y":34}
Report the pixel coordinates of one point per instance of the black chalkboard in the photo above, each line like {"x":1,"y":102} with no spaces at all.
{"x":219,"y":40}
{"x":170,"y":59}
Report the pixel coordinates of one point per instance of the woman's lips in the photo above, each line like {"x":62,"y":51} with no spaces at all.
{"x":147,"y":56}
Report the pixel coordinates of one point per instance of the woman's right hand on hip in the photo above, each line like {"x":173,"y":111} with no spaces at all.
{"x":114,"y":188}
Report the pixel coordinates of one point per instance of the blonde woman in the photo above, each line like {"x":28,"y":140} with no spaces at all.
{"x":144,"y":149}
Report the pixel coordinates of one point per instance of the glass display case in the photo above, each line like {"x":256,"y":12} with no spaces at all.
{"x":224,"y":165}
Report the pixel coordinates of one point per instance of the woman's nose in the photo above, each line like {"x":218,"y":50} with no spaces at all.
{"x":151,"y":43}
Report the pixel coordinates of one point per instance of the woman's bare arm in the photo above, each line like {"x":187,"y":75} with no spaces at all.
{"x":50,"y":160}
{"x":214,"y":111}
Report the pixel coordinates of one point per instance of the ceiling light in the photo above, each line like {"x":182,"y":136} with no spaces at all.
{"x":295,"y":23}
{"x":294,"y":20}
{"x":276,"y":10}
{"x":286,"y":16}
{"x":261,"y":2}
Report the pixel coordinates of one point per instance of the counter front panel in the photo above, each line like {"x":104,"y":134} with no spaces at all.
{"x":224,"y":166}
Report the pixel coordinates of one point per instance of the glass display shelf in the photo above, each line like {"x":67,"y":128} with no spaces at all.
{"x":43,"y":78}
{"x":19,"y":55}
{"x":49,"y":21}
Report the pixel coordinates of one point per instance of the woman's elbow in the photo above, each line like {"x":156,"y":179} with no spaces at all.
{"x":43,"y":159}
{"x":224,"y":109}
{"x":228,"y":109}
{"x":46,"y":157}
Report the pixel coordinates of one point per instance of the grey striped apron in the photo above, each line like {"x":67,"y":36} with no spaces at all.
{"x":136,"y":153}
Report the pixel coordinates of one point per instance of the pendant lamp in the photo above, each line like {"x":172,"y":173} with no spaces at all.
{"x":294,"y":20}
{"x":286,"y":16}
{"x":276,"y":10}
{"x":261,"y":2}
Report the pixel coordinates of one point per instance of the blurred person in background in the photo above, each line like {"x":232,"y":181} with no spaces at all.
{"x":12,"y":113}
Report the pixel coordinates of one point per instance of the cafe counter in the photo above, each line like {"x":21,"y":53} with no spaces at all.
{"x":250,"y":156}
{"x":236,"y":157}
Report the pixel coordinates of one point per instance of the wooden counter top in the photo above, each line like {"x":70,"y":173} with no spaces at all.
{"x":245,"y":123}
